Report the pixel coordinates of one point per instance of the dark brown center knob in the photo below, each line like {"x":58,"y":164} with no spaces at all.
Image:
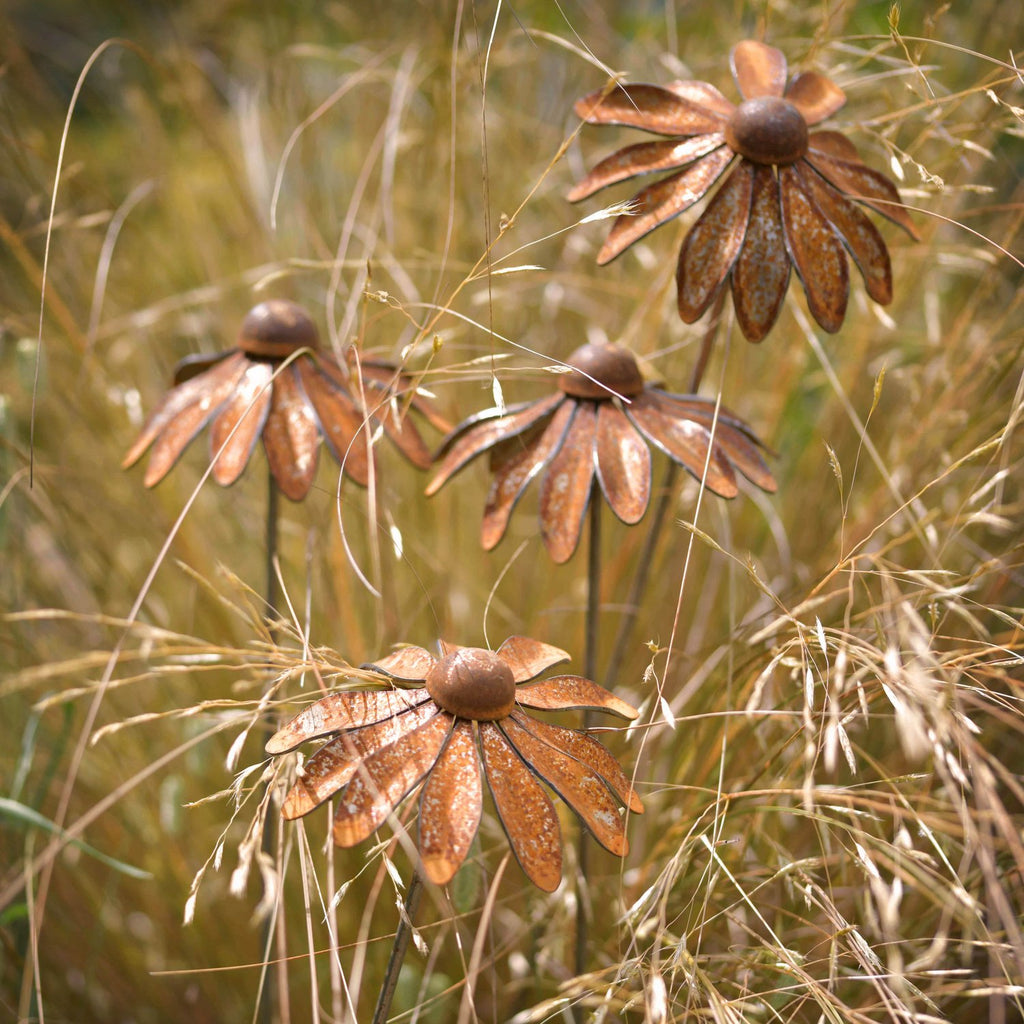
{"x":473,"y":683}
{"x":768,"y":130}
{"x":275,"y":329}
{"x":601,"y":371}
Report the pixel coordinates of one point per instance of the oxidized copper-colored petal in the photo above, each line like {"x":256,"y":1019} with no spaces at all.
{"x":713,"y":244}
{"x":664,"y":200}
{"x":514,"y":475}
{"x":565,"y":489}
{"x":835,"y":145}
{"x":644,"y":158}
{"x":817,"y":253}
{"x":528,"y":658}
{"x":704,"y":95}
{"x":194,"y":365}
{"x":341,"y":711}
{"x":524,"y":809}
{"x":579,"y":786}
{"x":860,"y":182}
{"x":561,"y":693}
{"x":815,"y":96}
{"x":336,"y":762}
{"x":623,"y":464}
{"x":581,"y":747}
{"x":450,"y":806}
{"x":381,"y":375}
{"x":733,"y":438}
{"x":484,"y":430}
{"x":340,"y":420}
{"x":759,"y":70}
{"x":385,"y":777}
{"x":409,"y":663}
{"x":291,"y":437}
{"x":239,"y":422}
{"x":649,"y":107}
{"x":760,"y":276}
{"x":196,"y":399}
{"x":862,"y":238}
{"x":402,"y":431}
{"x":685,"y":441}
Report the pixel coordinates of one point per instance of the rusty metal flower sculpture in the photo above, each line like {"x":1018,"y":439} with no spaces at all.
{"x":278,"y":384}
{"x":599,"y":424}
{"x":787,"y":201}
{"x":464,"y":723}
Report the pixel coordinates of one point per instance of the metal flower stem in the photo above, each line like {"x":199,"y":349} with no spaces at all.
{"x":271,"y":982}
{"x":401,"y":944}
{"x":590,"y":671}
{"x":643,"y":568}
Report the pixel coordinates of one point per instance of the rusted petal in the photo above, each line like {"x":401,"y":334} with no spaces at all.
{"x":524,"y":809}
{"x":862,"y":238}
{"x":385,"y":777}
{"x":714,"y":243}
{"x":335,"y":763}
{"x":733,"y":437}
{"x":649,"y":107}
{"x":514,"y":475}
{"x":450,"y":806}
{"x":402,"y":385}
{"x":815,"y":96}
{"x":686,"y":441}
{"x":579,"y":786}
{"x":759,"y":70}
{"x":194,"y":365}
{"x":409,"y":663}
{"x":623,"y":464}
{"x":662,"y":201}
{"x":484,"y":430}
{"x":528,"y":658}
{"x":860,"y":182}
{"x":340,"y":711}
{"x":581,"y":747}
{"x":760,"y":275}
{"x":835,"y":145}
{"x":703,"y":94}
{"x":217,"y":383}
{"x":399,"y":427}
{"x":645,"y":158}
{"x":291,"y":437}
{"x":239,"y":422}
{"x":562,"y":693}
{"x":565,"y":489}
{"x":817,"y":252}
{"x":340,"y":420}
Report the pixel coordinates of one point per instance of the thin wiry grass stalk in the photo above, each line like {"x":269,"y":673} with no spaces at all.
{"x":583,"y":914}
{"x":398,"y":950}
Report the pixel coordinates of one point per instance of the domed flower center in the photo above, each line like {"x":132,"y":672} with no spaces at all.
{"x":767,"y":130}
{"x":473,"y":683}
{"x":602,"y":371}
{"x":275,"y":329}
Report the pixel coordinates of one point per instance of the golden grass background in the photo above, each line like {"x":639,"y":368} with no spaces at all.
{"x":830,"y":745}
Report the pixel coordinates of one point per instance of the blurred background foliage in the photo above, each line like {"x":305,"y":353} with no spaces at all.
{"x":830,"y":757}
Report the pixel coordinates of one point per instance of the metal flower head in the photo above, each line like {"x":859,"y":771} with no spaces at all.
{"x":598,"y":424}
{"x":278,"y":384}
{"x":464,"y":723}
{"x":786,"y":202}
